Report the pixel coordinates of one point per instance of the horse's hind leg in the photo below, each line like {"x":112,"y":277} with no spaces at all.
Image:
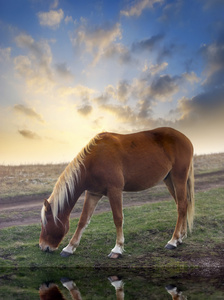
{"x":177,"y":188}
{"x":169,"y":184}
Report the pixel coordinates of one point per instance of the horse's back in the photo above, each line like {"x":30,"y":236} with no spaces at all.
{"x":164,"y":140}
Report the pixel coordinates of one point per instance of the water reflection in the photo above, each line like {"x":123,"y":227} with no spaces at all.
{"x":109,"y":284}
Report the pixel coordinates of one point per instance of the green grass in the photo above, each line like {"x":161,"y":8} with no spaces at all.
{"x":147,"y":228}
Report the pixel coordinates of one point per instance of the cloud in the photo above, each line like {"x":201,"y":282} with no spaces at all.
{"x":155,"y":69}
{"x":120,"y":52}
{"x":171,"y":10}
{"x":122,"y":112}
{"x":51,"y":19}
{"x":206,"y":109}
{"x":214,"y":58}
{"x":29,"y":134}
{"x":147,"y":44}
{"x":5,"y":54}
{"x":191,"y":77}
{"x":25,"y":41}
{"x":35,"y":67}
{"x":168,"y":51}
{"x":133,"y":103}
{"x":54,"y":4}
{"x":78,"y":90}
{"x":164,"y":86}
{"x":98,"y":40}
{"x":63,"y":71}
{"x":123,"y":90}
{"x":139,"y":6}
{"x":208,"y":4}
{"x":205,"y":105}
{"x":29,"y":112}
{"x":85,"y":110}
{"x":68,"y":19}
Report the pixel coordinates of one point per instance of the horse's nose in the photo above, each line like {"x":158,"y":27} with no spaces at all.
{"x":45,"y":249}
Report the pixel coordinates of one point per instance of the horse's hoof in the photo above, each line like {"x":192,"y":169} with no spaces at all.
{"x":114,"y":255}
{"x":65,"y":254}
{"x":170,"y":247}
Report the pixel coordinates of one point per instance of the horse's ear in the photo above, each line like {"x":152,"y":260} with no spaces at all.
{"x":47,"y":205}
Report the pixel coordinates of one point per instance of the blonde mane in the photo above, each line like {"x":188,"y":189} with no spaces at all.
{"x":67,"y":182}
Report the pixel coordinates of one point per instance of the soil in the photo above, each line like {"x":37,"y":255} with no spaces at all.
{"x":25,"y":210}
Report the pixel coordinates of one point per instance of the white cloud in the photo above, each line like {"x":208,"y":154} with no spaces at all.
{"x":154,"y":69}
{"x":68,"y":19}
{"x":78,"y":90}
{"x":5,"y":54}
{"x":35,"y":67}
{"x":96,"y":41}
{"x":191,"y":77}
{"x":28,"y":111}
{"x":51,"y":19}
{"x":139,"y":6}
{"x":54,"y":4}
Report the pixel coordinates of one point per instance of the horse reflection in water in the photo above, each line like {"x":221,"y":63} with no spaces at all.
{"x":175,"y":293}
{"x":52,"y":291}
{"x":110,"y":164}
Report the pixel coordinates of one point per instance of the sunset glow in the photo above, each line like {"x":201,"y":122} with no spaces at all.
{"x":71,"y":69}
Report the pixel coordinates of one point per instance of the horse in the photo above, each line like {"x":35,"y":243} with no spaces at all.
{"x":52,"y":291}
{"x":110,"y":164}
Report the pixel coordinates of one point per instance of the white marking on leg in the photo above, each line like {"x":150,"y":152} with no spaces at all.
{"x":180,"y":241}
{"x":117,"y":284}
{"x":173,"y":243}
{"x":69,"y":285}
{"x":119,"y":287}
{"x":69,"y":249}
{"x":117,"y":249}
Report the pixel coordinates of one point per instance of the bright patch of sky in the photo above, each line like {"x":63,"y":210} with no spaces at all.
{"x":69,"y":69}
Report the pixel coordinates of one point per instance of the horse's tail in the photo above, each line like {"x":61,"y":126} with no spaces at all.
{"x":190,"y":197}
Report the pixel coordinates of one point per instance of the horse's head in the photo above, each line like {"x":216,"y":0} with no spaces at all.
{"x":52,"y":232}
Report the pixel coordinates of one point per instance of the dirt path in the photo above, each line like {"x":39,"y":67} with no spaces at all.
{"x":24,"y":210}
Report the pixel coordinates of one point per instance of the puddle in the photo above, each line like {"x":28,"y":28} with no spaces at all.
{"x":80,"y":284}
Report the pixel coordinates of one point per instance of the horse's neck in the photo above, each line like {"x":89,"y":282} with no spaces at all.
{"x":66,"y":193}
{"x":74,"y":196}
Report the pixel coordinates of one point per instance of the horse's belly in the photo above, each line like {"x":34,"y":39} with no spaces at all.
{"x":143,"y":180}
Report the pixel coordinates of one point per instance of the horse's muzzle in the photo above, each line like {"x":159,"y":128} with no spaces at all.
{"x":46,"y":248}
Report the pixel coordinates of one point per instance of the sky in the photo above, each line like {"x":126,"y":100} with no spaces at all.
{"x":71,"y":69}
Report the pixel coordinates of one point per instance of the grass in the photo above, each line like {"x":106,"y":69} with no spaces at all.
{"x":28,"y":179}
{"x":147,"y":229}
{"x":146,"y":266}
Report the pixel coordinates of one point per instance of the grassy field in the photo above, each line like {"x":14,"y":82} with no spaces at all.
{"x":147,"y":228}
{"x":40,"y":179}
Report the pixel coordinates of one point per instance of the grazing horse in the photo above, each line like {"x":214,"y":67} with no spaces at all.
{"x":110,"y":164}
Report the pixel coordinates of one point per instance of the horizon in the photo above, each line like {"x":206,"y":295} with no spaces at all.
{"x":71,"y":70}
{"x":18,"y":164}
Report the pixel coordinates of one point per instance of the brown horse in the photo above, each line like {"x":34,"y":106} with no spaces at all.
{"x":110,"y":164}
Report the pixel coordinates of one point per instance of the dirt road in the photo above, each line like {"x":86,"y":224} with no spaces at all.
{"x":24,"y":210}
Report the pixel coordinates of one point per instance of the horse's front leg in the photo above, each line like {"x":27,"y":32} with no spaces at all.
{"x":89,"y":206}
{"x":115,"y":198}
